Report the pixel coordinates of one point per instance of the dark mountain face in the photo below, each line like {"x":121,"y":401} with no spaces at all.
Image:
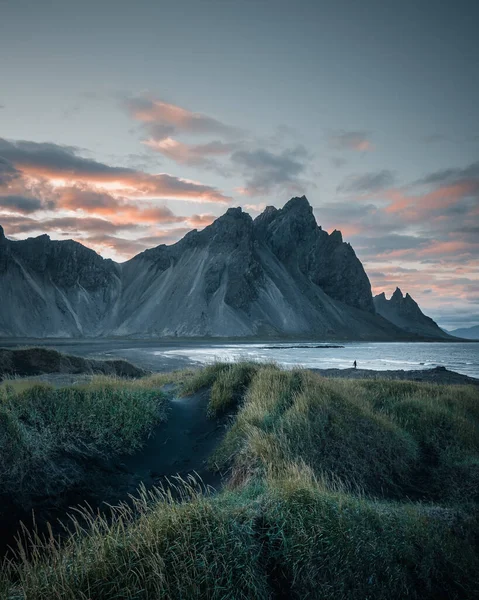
{"x":404,"y":312}
{"x":296,"y":240}
{"x":280,"y":274}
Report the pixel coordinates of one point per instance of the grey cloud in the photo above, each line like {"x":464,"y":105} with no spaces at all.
{"x":84,"y":225}
{"x":367,"y":182}
{"x":264,"y":170}
{"x":160,"y":131}
{"x":7,"y":172}
{"x":61,"y":158}
{"x":388,"y":243}
{"x":52,"y":159}
{"x":338,"y":162}
{"x":350,"y":140}
{"x":21,"y":204}
{"x":451,"y":175}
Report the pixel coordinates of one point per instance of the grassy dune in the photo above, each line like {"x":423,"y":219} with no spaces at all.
{"x":337,"y":490}
{"x":46,"y":432}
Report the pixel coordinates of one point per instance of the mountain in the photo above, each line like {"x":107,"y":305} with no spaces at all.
{"x":277,"y":275}
{"x":405,"y":313}
{"x":469,"y":333}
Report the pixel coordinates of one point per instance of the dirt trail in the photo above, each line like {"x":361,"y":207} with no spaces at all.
{"x":181,"y":446}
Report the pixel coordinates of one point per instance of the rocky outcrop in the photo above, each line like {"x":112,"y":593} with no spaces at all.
{"x":277,"y":275}
{"x":404,"y":312}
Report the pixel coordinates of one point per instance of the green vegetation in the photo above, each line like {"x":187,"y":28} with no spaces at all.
{"x":228,"y":383}
{"x":46,"y":432}
{"x":337,"y":490}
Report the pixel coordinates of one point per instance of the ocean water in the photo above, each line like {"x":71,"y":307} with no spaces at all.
{"x":460,"y":357}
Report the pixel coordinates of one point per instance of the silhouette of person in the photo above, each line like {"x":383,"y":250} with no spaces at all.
{"x":355,"y":364}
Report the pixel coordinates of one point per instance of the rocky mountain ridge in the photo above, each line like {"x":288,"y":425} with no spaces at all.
{"x":404,"y":312}
{"x":277,"y":275}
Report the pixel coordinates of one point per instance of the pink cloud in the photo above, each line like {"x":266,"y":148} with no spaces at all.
{"x":190,"y":154}
{"x":162,"y":119}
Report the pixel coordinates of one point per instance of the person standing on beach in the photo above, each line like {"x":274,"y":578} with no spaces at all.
{"x":355,"y":364}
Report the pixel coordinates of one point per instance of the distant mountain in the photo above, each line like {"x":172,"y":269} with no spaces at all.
{"x":469,"y":333}
{"x":277,"y":275}
{"x":405,"y":313}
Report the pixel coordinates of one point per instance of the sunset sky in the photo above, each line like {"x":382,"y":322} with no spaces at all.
{"x":125,"y":124}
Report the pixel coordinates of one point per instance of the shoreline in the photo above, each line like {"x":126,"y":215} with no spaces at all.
{"x":438,"y":375}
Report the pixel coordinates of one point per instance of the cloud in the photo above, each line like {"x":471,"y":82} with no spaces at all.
{"x":421,"y":236}
{"x":338,"y":162}
{"x":196,"y":155}
{"x":197,"y":221}
{"x":451,"y":175}
{"x":117,"y":209}
{"x":163,"y":119}
{"x":119,"y":248}
{"x":20,"y":204}
{"x":7,"y":172}
{"x":265,"y":170}
{"x":350,"y":140}
{"x":367,"y":182}
{"x":63,"y":164}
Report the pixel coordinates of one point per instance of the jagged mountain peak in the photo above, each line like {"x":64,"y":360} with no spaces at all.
{"x":336,"y":236}
{"x":280,"y":274}
{"x":403,"y":311}
{"x":298,"y":203}
{"x":397,"y":294}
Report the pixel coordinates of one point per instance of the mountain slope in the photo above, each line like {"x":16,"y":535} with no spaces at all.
{"x":469,"y":333}
{"x":278,"y":275}
{"x":404,"y":312}
{"x":54,"y":288}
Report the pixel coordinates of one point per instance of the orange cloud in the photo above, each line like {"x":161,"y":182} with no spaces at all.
{"x":61,"y":166}
{"x":189,"y":154}
{"x":162,"y":119}
{"x":417,"y":206}
{"x":197,"y":221}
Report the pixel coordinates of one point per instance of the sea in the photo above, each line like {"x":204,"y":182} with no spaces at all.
{"x":460,"y":357}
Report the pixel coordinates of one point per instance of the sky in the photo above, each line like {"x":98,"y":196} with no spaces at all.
{"x":123,"y":125}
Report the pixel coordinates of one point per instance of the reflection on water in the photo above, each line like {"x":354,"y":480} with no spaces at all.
{"x":460,"y":357}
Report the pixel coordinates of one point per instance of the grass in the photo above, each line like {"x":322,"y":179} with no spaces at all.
{"x":228,"y":383}
{"x":45,"y":432}
{"x":389,"y":439}
{"x":338,"y":490}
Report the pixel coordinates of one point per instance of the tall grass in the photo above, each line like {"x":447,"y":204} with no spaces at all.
{"x":388,"y":439}
{"x":338,"y":490}
{"x":287,"y":537}
{"x":228,"y":383}
{"x":45,"y":431}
